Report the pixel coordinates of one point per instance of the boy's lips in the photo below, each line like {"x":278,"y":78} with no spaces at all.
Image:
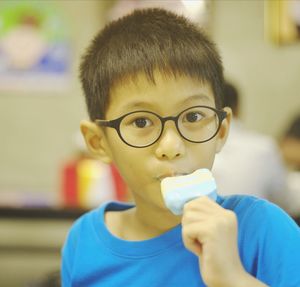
{"x":171,"y":174}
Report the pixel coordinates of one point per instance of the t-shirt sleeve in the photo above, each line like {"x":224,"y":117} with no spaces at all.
{"x":67,"y":256}
{"x":65,"y":264}
{"x":274,"y":246}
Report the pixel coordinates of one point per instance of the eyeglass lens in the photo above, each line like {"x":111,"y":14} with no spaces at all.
{"x":196,"y":124}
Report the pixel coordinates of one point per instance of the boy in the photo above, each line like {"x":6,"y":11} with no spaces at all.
{"x":153,"y":88}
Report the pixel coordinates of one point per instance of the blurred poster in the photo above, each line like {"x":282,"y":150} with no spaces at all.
{"x":282,"y":20}
{"x":34,"y":47}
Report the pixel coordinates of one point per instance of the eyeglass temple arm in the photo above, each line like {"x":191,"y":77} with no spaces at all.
{"x":223,"y":114}
{"x":105,"y":123}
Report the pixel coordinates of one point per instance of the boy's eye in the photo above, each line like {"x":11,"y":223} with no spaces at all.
{"x":193,"y":117}
{"x":142,"y":122}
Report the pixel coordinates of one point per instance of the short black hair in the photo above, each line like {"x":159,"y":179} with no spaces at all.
{"x":231,"y":97}
{"x":144,"y":41}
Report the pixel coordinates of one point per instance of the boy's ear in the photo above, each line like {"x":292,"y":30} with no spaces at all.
{"x":224,"y":130}
{"x":95,"y":140}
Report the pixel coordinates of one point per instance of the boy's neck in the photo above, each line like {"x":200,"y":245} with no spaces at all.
{"x":141,"y":223}
{"x":155,"y":219}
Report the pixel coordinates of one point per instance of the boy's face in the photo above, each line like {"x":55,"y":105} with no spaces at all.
{"x":144,"y":168}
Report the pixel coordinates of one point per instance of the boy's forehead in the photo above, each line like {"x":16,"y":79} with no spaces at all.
{"x":141,"y":89}
{"x":140,"y":80}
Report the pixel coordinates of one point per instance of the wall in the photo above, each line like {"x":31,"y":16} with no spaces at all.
{"x":268,"y":75}
{"x":37,"y":130}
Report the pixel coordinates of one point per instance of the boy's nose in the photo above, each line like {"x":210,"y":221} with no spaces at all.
{"x":170,"y":145}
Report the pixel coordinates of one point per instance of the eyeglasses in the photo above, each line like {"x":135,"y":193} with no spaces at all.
{"x":197,"y":124}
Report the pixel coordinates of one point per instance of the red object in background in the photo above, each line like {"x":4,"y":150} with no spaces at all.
{"x":70,"y":186}
{"x":120,"y":186}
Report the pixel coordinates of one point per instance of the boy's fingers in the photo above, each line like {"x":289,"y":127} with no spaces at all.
{"x":190,"y":239}
{"x":203,"y":203}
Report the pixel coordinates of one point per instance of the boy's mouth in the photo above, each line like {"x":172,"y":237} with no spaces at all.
{"x":171,"y":174}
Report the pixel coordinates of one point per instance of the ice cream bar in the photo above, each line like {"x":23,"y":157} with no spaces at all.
{"x":178,"y":190}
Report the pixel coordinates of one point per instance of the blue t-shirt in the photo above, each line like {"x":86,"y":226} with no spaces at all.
{"x":268,"y":242}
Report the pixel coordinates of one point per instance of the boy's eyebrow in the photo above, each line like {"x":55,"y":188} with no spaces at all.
{"x":202,"y":97}
{"x":138,"y":104}
{"x":147,"y":105}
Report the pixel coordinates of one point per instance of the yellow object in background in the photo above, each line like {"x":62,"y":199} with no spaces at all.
{"x":95,"y":183}
{"x":282,"y":21}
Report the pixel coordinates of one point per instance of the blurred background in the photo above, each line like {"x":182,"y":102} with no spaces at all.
{"x":46,"y":177}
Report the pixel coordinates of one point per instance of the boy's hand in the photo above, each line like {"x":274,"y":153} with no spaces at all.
{"x":210,"y":232}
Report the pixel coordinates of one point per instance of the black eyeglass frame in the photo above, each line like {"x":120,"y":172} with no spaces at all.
{"x":117,"y":122}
